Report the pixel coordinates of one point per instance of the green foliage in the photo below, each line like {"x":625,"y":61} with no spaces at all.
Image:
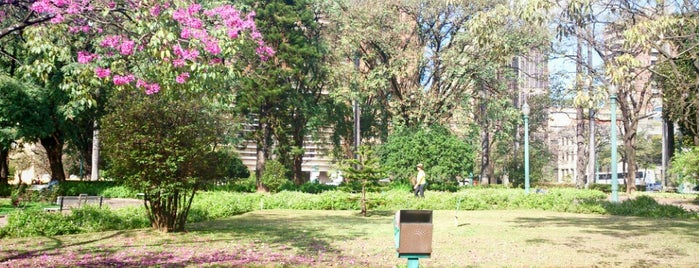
{"x":26,"y":223}
{"x":444,"y":156}
{"x":230,"y":166}
{"x":308,"y":187}
{"x":646,"y":206}
{"x":607,"y":188}
{"x":37,"y":223}
{"x":248,"y":185}
{"x":275,"y":175}
{"x":5,"y":190}
{"x":162,"y":145}
{"x":118,"y":191}
{"x":73,"y":188}
{"x":685,"y":167}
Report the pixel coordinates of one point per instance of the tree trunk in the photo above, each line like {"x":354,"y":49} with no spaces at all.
{"x":54,"y":151}
{"x":95,"y":172}
{"x":629,"y":142}
{"x":299,"y":135}
{"x":485,"y":156}
{"x":264,"y":143}
{"x":4,"y":166}
{"x":485,"y":138}
{"x":580,"y":169}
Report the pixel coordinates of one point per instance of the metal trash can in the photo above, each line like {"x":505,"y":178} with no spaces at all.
{"x":413,"y":233}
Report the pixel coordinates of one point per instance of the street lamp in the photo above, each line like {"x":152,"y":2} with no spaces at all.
{"x":525,"y":112}
{"x":612,"y":132}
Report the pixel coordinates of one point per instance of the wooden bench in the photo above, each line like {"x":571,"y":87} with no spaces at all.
{"x":65,"y":202}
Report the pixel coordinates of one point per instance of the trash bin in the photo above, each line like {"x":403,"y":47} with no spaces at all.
{"x":413,"y":233}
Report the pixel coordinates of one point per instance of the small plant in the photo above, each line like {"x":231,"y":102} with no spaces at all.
{"x":274,"y":176}
{"x":365,"y":170}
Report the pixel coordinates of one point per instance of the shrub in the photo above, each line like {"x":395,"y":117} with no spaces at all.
{"x":73,"y":188}
{"x":118,"y":191}
{"x":308,"y":187}
{"x":95,"y":219}
{"x":5,"y":190}
{"x":27,"y":223}
{"x":646,"y":206}
{"x":274,"y":175}
{"x":37,"y":223}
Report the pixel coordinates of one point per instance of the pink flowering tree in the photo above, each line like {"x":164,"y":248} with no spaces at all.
{"x":170,"y":53}
{"x":156,"y":45}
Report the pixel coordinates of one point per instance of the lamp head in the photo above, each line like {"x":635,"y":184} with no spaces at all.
{"x":525,"y":109}
{"x":613,"y":90}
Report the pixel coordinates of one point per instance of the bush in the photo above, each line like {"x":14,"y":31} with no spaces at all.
{"x":118,"y":191}
{"x":5,"y":190}
{"x":274,"y":175}
{"x":646,"y":206}
{"x":27,"y":223}
{"x":308,"y":187}
{"x":73,"y":188}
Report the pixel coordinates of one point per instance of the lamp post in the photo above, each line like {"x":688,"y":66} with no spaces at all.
{"x":525,"y":112}
{"x":612,"y":132}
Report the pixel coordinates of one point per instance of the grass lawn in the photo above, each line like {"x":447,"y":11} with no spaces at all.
{"x":343,"y":238}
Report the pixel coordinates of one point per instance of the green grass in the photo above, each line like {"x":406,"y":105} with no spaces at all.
{"x":291,"y":238}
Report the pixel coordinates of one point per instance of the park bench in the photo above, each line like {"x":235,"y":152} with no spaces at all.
{"x":65,"y":202}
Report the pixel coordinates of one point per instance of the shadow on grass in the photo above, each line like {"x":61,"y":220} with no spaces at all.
{"x":310,"y":234}
{"x":56,"y":244}
{"x":616,"y":226}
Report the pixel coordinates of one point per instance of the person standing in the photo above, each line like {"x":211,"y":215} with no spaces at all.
{"x":420,"y":182}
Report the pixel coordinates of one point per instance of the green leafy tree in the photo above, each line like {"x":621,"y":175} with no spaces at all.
{"x":366,"y":170}
{"x":444,"y":156}
{"x":283,"y":95}
{"x":163,"y":145}
{"x":685,"y":167}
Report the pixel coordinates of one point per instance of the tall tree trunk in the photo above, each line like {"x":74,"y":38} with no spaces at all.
{"x":4,"y":166}
{"x":591,"y":143}
{"x":580,"y":120}
{"x":299,"y":130}
{"x":95,"y":172}
{"x":54,"y":151}
{"x":264,"y":143}
{"x":485,"y":140}
{"x":629,"y":142}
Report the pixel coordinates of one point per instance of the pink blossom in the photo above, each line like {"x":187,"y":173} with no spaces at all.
{"x":102,"y":72}
{"x":152,"y":89}
{"x":182,"y":78}
{"x":212,"y":46}
{"x":58,"y":18}
{"x":178,"y":62}
{"x":2,"y":16}
{"x":264,"y":52}
{"x":140,"y":83}
{"x":85,"y":57}
{"x":111,"y":41}
{"x":60,"y":3}
{"x":126,"y":47}
{"x":215,"y":61}
{"x":193,"y":9}
{"x":155,"y":11}
{"x":123,"y":80}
